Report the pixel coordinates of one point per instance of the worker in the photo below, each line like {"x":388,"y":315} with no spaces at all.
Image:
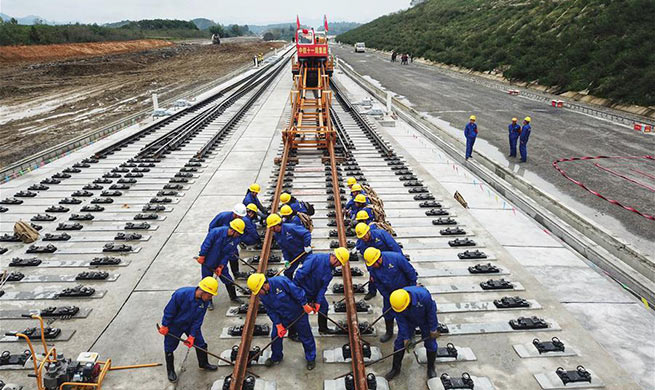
{"x":251,"y":197}
{"x":368,"y":235}
{"x":525,"y":135}
{"x":251,"y":236}
{"x":314,"y":276}
{"x":393,"y":56}
{"x":220,"y":246}
{"x":470,"y":132}
{"x":295,"y":204}
{"x":350,"y":181}
{"x":360,"y":203}
{"x":390,"y":271}
{"x":184,"y":314}
{"x":223,"y":219}
{"x":260,"y":58}
{"x":294,"y":241}
{"x":363,"y":216}
{"x":514,"y":132}
{"x":285,"y":303}
{"x":290,"y":216}
{"x":355,"y":189}
{"x":414,"y":308}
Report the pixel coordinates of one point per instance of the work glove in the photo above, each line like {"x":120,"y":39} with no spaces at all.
{"x":219,"y":271}
{"x":200,"y":259}
{"x":408,"y":345}
{"x":189,"y":341}
{"x":435,"y":334}
{"x":308,"y":249}
{"x":163,"y":330}
{"x":281,"y":330}
{"x":316,"y":307}
{"x":308,"y":308}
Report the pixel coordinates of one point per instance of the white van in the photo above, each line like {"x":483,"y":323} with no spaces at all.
{"x":360,"y":47}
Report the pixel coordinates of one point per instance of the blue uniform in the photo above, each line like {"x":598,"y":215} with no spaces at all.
{"x":184,"y":314}
{"x":297,"y":207}
{"x":351,"y":203}
{"x":355,"y":209}
{"x":313,"y":277}
{"x":470,"y":132}
{"x":295,"y":219}
{"x":292,"y":240}
{"x":284,"y":303}
{"x":221,"y":219}
{"x":382,"y":240}
{"x":523,"y":144}
{"x":250,"y":235}
{"x":514,"y":130}
{"x":421,"y":313}
{"x":394,"y":273}
{"x":218,"y":248}
{"x":251,"y":197}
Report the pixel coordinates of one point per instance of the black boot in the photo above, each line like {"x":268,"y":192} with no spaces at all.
{"x":388,"y":324}
{"x":396,"y":365}
{"x":232,"y":292}
{"x":370,"y":295}
{"x":234,"y":267}
{"x":323,"y":325}
{"x":203,"y":362}
{"x":431,"y":371}
{"x":170,"y":367}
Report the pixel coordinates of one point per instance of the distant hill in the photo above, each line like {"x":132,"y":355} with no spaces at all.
{"x":5,"y":17}
{"x":602,"y":47}
{"x":203,"y":24}
{"x":26,"y":20}
{"x":337,"y":28}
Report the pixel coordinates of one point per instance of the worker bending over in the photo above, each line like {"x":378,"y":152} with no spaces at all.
{"x":314,"y":276}
{"x":251,"y":197}
{"x":470,"y":132}
{"x":223,"y":219}
{"x":184,"y":314}
{"x":220,"y":246}
{"x":294,"y":241}
{"x":390,"y":271}
{"x":368,"y":235}
{"x":285,"y":303}
{"x":514,"y":132}
{"x":414,"y":308}
{"x":295,"y":204}
{"x":525,"y":135}
{"x":360,"y":203}
{"x":355,"y":190}
{"x":251,"y":235}
{"x":290,"y":216}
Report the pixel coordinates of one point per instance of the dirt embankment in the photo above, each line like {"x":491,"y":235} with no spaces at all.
{"x":45,"y":103}
{"x":10,"y":54}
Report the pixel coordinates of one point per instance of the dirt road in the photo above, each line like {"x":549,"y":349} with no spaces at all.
{"x":45,"y":103}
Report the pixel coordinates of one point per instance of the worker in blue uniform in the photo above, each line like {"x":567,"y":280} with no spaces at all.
{"x":290,"y":216}
{"x":223,"y":219}
{"x":360,"y":203}
{"x":295,"y":204}
{"x":184,"y":314}
{"x":363,"y":216}
{"x":514,"y":130}
{"x":414,"y":308}
{"x":294,"y":241}
{"x":470,"y":132}
{"x":285,"y":303}
{"x":314,"y":276}
{"x":355,"y":190}
{"x":369,"y":235}
{"x":525,"y":135}
{"x":390,"y":271}
{"x":219,"y":246}
{"x":251,"y":236}
{"x":251,"y":197}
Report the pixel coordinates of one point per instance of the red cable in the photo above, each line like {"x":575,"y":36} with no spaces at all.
{"x":613,"y":172}
{"x":612,"y":201}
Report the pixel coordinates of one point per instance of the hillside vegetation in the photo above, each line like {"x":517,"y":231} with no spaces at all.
{"x":605,"y":47}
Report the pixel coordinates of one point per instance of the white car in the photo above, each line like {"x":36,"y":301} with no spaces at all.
{"x":160,"y":112}
{"x":181,"y":103}
{"x":360,"y":47}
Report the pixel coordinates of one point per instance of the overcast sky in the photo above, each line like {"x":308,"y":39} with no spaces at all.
{"x":222,"y":11}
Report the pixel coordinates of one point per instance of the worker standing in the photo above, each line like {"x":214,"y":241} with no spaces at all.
{"x":470,"y":132}
{"x":514,"y":132}
{"x":184,"y":314}
{"x":414,"y":308}
{"x":294,"y":241}
{"x":260,"y":58}
{"x":390,"y":271}
{"x":285,"y":302}
{"x":219,"y":246}
{"x":525,"y":135}
{"x":314,"y":276}
{"x":223,"y":219}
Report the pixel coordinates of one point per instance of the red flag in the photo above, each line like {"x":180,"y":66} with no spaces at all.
{"x":325,"y":23}
{"x":297,"y":23}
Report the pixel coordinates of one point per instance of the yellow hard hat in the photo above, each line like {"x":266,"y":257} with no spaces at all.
{"x":252,"y":207}
{"x":360,"y":198}
{"x":371,"y":255}
{"x":342,"y":255}
{"x":273,"y":220}
{"x":399,"y":300}
{"x":355,"y":187}
{"x":528,"y":119}
{"x":285,"y":197}
{"x":238,"y":225}
{"x":362,"y":215}
{"x":473,"y":117}
{"x":350,"y":181}
{"x":286,"y":210}
{"x":255,"y":187}
{"x":255,"y":282}
{"x":361,"y":229}
{"x":209,"y":285}
{"x":514,"y":119}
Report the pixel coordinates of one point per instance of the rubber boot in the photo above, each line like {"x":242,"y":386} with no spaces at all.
{"x":431,"y":358}
{"x":311,"y":364}
{"x":395,"y":366}
{"x":370,"y":295}
{"x":234,"y":267}
{"x":203,"y":362}
{"x":170,"y":367}
{"x":388,"y":324}
{"x":232,"y":292}
{"x":323,"y":325}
